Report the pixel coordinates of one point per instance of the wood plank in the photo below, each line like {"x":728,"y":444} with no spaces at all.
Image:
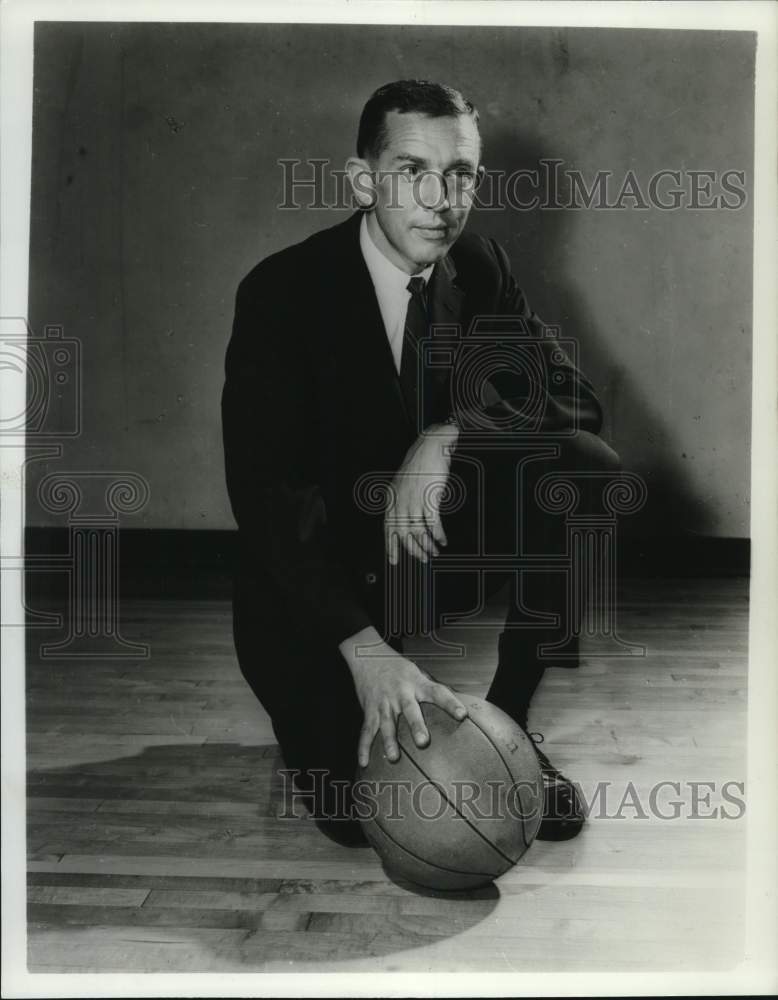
{"x":177,"y":883}
{"x":364,"y":865}
{"x":86,"y":896}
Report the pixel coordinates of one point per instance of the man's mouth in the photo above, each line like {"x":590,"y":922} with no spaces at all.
{"x":433,"y":233}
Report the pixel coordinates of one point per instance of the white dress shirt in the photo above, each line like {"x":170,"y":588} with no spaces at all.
{"x":391,"y":288}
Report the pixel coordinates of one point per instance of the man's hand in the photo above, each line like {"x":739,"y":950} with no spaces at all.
{"x":389,"y":685}
{"x":413,"y":513}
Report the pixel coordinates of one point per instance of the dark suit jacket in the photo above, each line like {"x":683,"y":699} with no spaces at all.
{"x":312,"y":402}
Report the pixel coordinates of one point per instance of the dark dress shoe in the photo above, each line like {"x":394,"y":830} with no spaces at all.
{"x":563,"y":814}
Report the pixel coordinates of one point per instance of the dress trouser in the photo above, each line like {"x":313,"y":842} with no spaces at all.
{"x":308,"y":690}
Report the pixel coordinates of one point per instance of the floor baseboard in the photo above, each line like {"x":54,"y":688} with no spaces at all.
{"x":158,"y":563}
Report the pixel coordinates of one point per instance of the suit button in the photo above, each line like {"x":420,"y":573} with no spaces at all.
{"x":370,"y":577}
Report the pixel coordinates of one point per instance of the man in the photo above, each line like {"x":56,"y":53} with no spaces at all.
{"x":332,"y":391}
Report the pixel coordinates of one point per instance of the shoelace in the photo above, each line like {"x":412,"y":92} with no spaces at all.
{"x":551,"y":775}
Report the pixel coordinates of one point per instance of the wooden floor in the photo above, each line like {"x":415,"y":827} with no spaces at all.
{"x":154,"y":843}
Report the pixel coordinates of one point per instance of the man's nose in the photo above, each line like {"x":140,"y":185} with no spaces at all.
{"x":432,"y":191}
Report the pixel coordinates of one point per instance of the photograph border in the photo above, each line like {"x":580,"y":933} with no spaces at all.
{"x":758,"y":974}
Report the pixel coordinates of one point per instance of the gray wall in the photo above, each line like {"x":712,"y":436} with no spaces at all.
{"x":155,"y":186}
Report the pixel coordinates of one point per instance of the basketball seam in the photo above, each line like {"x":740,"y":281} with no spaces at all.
{"x":510,"y":773}
{"x":442,"y":793}
{"x":432,"y":864}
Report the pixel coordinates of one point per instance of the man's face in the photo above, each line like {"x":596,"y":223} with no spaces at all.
{"x":417,"y":217}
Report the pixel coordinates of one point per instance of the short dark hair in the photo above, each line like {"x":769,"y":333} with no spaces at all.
{"x":420,"y":96}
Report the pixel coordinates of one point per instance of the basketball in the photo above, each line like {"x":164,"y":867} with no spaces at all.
{"x":459,"y":812}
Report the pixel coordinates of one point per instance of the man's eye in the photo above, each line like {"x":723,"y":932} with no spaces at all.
{"x":411,"y":170}
{"x":464,"y":178}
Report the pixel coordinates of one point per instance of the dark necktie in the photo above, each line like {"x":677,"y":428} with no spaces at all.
{"x":416,"y":330}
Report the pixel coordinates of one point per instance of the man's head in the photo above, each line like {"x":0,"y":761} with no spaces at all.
{"x":417,"y":166}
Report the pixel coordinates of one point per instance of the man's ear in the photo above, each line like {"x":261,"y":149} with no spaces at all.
{"x":363,"y":181}
{"x":479,"y":175}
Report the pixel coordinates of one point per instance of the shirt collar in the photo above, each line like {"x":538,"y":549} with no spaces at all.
{"x":384,"y":273}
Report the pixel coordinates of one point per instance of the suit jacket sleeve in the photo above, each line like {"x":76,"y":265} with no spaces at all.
{"x":566,"y":398}
{"x":270,"y":463}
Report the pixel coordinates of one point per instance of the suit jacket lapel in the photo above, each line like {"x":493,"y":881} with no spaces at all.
{"x":368,"y":356}
{"x":369,"y":361}
{"x":447,"y":304}
{"x":446,"y":295}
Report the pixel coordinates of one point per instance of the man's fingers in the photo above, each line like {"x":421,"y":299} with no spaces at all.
{"x":392,"y":521}
{"x":413,"y":716}
{"x":416,"y":541}
{"x":436,"y":530}
{"x":366,"y":737}
{"x":393,"y":546}
{"x":448,"y":701}
{"x":389,"y":736}
{"x":413,"y":547}
{"x":427,"y":543}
